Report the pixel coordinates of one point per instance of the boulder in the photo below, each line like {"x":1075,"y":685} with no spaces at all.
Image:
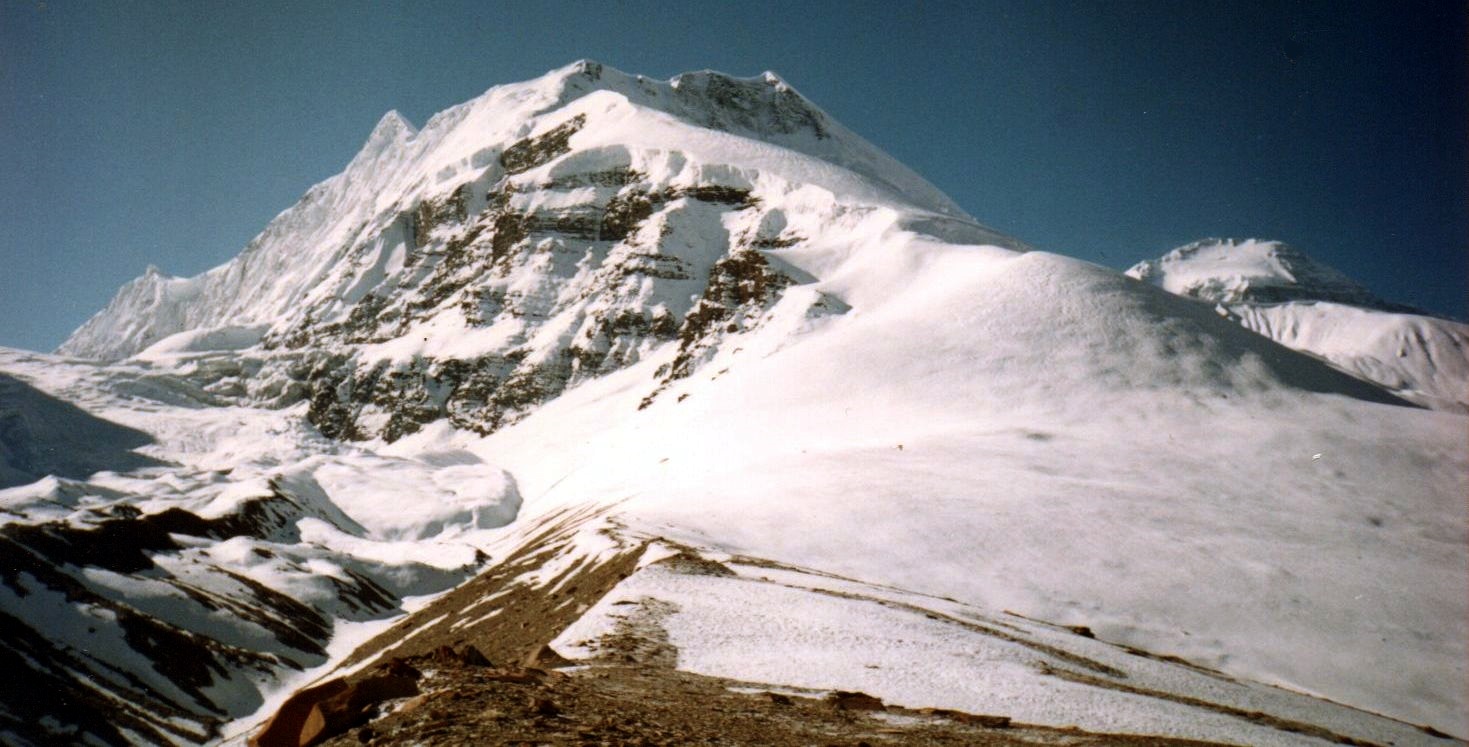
{"x":546,"y":657}
{"x":843,"y":700}
{"x":465,"y":655}
{"x":284,"y":728}
{"x":352,"y":706}
{"x":988,"y":722}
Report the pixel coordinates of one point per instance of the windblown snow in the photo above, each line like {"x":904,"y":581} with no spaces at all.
{"x":707,"y":308}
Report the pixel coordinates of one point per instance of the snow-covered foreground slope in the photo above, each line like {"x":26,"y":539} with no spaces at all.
{"x":754,"y":621}
{"x":709,"y":312}
{"x":613,"y":597}
{"x":1031,"y":433}
{"x":1277,"y":291}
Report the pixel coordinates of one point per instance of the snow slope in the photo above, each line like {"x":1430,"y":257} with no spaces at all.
{"x":707,"y":308}
{"x":41,"y":435}
{"x":753,"y":621}
{"x":1419,"y":358}
{"x":1279,"y":292}
{"x":1031,"y":433}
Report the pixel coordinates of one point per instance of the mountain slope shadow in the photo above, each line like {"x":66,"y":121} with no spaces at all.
{"x":41,"y":435}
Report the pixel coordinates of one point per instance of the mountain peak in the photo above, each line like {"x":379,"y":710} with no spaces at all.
{"x":1276,"y":290}
{"x":371,"y":232}
{"x":589,"y":67}
{"x":391,"y":131}
{"x":391,"y":125}
{"x":606,"y":77}
{"x":1261,"y":271}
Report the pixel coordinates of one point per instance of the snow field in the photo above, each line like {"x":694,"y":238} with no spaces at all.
{"x":798,"y":630}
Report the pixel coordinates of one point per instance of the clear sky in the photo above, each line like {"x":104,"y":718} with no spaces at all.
{"x":171,"y":133}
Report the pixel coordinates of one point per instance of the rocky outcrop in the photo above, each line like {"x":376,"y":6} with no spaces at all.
{"x":529,"y":153}
{"x":611,"y":271}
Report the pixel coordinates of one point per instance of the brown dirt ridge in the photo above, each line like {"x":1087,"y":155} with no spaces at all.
{"x":475,"y":667}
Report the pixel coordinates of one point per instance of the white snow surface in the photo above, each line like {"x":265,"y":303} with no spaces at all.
{"x":229,"y":337}
{"x":1248,"y":270}
{"x":358,"y":532}
{"x":1028,"y":432}
{"x":811,"y":632}
{"x":213,"y":458}
{"x":1422,"y":359}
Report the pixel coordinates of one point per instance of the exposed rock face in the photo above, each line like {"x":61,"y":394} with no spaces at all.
{"x":567,"y":293}
{"x":284,"y":728}
{"x":853,"y":701}
{"x":766,"y":103}
{"x":527,"y":154}
{"x":352,"y":706}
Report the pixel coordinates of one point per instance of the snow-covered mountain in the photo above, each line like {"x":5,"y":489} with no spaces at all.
{"x":542,"y":234}
{"x":1230,"y":271}
{"x":594,"y":359}
{"x":1276,"y":290}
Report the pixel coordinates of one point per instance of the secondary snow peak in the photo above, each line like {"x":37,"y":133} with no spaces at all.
{"x":1276,"y":290}
{"x":390,"y":127}
{"x":1224,"y":270}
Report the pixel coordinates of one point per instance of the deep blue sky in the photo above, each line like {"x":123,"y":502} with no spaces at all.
{"x":170,"y":133}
